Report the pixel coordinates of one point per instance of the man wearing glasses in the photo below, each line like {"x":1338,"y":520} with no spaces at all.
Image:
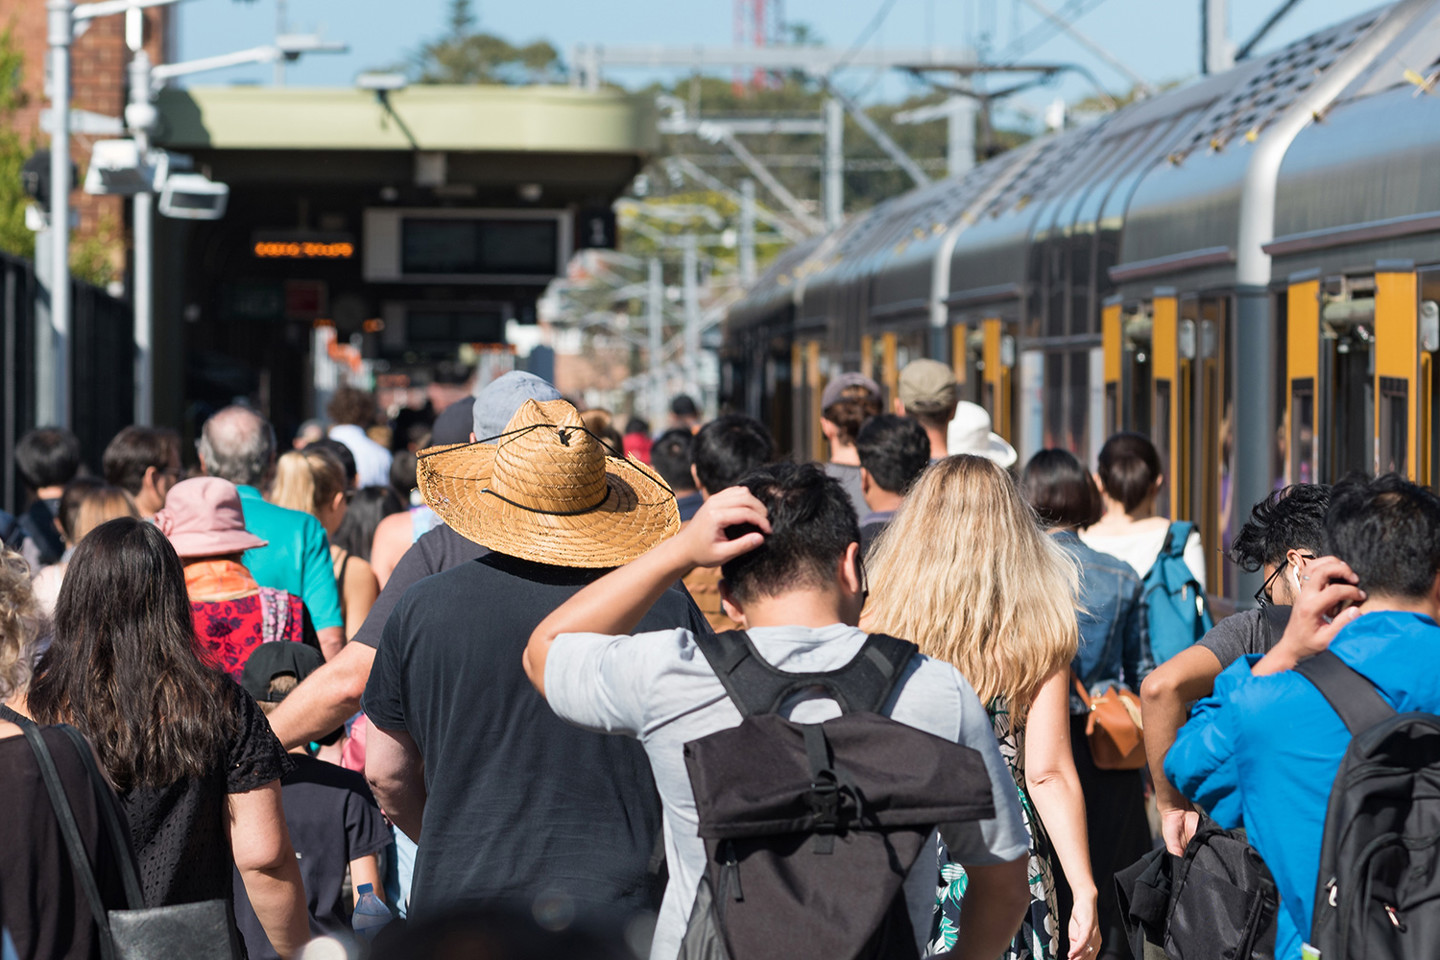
{"x":1285,"y":533}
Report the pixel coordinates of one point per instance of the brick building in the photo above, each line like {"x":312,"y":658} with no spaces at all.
{"x":98,"y":85}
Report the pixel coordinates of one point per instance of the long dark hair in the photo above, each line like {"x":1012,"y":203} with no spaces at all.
{"x":122,"y":667}
{"x":368,"y":506}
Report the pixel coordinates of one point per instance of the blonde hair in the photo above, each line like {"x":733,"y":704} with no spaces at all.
{"x":307,"y":480}
{"x":102,"y":505}
{"x":965,"y":572}
{"x":18,"y":624}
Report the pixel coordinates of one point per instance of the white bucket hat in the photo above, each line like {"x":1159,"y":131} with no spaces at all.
{"x":970,"y":432}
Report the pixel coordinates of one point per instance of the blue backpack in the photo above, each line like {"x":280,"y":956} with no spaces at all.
{"x":1178,"y":613}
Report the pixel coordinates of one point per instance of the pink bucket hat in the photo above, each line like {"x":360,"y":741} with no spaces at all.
{"x":203,"y":518}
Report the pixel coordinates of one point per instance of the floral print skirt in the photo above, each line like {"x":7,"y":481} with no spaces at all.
{"x":1037,"y":938}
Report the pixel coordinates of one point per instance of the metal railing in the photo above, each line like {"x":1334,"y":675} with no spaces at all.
{"x":101,"y":389}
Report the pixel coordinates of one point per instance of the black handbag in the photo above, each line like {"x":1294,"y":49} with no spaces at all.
{"x":196,"y":931}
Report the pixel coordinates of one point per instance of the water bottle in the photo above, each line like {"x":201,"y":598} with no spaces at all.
{"x":371,"y":914}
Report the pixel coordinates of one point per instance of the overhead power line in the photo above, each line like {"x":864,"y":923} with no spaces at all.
{"x":867,"y":33}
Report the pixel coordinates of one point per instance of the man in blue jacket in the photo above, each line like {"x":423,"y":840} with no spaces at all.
{"x":1263,"y":751}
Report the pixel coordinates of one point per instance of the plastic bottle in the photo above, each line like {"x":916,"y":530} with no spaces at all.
{"x":371,"y":914}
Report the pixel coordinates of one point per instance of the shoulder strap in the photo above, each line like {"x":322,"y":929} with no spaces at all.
{"x":1176,"y":538}
{"x":119,"y":838}
{"x":73,"y":844}
{"x":862,"y":685}
{"x":1349,"y":693}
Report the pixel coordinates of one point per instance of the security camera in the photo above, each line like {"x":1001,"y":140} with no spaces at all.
{"x":117,"y":167}
{"x":192,"y":196}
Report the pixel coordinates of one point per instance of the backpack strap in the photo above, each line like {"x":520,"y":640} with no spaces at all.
{"x":1176,"y":538}
{"x":861,"y":686}
{"x":1348,"y":692}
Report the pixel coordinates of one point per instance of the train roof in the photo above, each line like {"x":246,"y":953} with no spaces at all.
{"x":1363,"y":186}
{"x":1167,"y":175}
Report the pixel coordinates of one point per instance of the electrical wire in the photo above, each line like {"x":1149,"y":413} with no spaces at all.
{"x":1044,"y":30}
{"x":867,"y":33}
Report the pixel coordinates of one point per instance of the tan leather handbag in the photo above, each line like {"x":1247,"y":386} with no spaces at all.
{"x":1114,"y":728}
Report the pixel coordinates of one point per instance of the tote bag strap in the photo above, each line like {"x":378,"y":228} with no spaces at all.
{"x":71,"y":832}
{"x":119,"y":837}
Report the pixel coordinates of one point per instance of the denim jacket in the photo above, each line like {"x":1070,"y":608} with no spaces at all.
{"x":1114,"y":642}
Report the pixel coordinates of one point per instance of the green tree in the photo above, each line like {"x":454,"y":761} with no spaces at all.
{"x":15,"y":237}
{"x":465,"y":55}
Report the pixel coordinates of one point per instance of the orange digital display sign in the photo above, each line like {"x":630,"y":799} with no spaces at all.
{"x":304,"y":250}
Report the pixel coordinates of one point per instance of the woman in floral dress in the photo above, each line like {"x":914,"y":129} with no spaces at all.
{"x":965,"y":571}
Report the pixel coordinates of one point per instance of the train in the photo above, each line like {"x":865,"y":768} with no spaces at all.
{"x":1247,"y":269}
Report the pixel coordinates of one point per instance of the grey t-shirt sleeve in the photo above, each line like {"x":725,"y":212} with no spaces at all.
{"x":1002,"y":838}
{"x":600,"y":682}
{"x":1237,"y":635}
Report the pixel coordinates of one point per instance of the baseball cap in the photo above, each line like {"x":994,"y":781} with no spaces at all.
{"x":454,"y":423}
{"x":927,"y":386}
{"x":275,"y":659}
{"x":497,"y":403}
{"x":835,"y":389}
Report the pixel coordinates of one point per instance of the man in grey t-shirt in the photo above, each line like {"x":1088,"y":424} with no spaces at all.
{"x":794,"y":581}
{"x":1285,"y":532}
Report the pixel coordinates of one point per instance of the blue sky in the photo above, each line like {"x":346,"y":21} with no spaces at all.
{"x":1158,"y":39}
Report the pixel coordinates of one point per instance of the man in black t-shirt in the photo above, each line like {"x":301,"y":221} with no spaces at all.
{"x":517,"y":806}
{"x":1285,"y":532}
{"x":332,"y":696}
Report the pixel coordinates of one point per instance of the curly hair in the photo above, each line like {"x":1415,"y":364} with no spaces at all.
{"x":18,"y":624}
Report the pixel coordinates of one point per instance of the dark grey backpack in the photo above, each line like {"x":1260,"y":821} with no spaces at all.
{"x":1378,"y":893}
{"x":811,"y":829}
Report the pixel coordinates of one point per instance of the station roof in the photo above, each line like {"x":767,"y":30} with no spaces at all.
{"x":477,"y":118}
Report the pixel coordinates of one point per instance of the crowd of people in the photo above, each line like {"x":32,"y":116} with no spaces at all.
{"x":487,"y":664}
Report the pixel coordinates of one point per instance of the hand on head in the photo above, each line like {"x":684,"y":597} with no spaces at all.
{"x":1328,"y":601}
{"x":706,"y":539}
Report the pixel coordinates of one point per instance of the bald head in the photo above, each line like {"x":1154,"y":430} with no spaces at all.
{"x":237,"y":444}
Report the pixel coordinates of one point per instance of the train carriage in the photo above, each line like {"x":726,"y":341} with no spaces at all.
{"x":1247,"y":269}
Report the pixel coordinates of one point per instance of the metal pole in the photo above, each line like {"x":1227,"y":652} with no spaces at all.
{"x":747,"y":231}
{"x":834,"y":163}
{"x":57,"y":409}
{"x":692,"y":316}
{"x":960,"y":136}
{"x":1216,"y":51}
{"x":142,"y":298}
{"x":655,"y":320}
{"x":280,"y":31}
{"x":43,"y":385}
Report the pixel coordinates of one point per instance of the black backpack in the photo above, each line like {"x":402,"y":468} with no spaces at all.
{"x":1378,"y":893}
{"x":810,"y":829}
{"x":1217,"y":902}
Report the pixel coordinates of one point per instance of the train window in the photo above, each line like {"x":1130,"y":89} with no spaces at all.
{"x":1054,"y":405}
{"x":1077,"y":438}
{"x":1302,"y":430}
{"x":1394,"y":426}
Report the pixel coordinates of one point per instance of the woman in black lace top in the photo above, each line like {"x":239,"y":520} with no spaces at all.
{"x":187,"y":750}
{"x":42,"y":903}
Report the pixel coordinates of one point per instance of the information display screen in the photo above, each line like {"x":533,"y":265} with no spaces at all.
{"x":434,"y":246}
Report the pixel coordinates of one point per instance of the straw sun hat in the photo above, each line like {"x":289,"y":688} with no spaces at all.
{"x":545,"y":491}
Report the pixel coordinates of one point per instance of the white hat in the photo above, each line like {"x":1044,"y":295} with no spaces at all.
{"x":969,"y":432}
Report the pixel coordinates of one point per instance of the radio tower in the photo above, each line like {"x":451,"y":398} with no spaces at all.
{"x":752,"y":28}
